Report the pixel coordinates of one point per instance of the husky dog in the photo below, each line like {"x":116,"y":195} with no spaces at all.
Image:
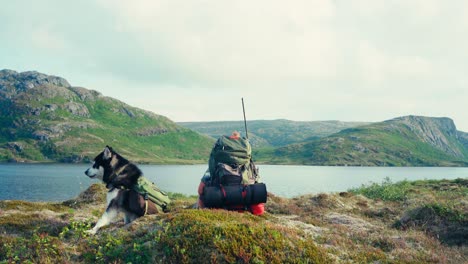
{"x":120,"y":176}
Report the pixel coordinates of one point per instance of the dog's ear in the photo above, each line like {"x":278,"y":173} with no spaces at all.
{"x":107,"y":153}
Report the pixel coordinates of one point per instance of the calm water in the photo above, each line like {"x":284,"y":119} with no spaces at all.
{"x":58,"y":182}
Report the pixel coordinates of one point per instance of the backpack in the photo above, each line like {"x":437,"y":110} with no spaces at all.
{"x":150,"y":191}
{"x":233,"y":178}
{"x":231,"y":162}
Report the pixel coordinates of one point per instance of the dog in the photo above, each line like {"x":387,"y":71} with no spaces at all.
{"x":120,"y":176}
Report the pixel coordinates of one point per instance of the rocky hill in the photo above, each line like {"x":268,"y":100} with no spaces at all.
{"x":273,"y":133}
{"x":44,"y":118}
{"x":405,"y":222}
{"x":403,"y":141}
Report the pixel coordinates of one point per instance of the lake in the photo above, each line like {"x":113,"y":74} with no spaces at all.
{"x":58,"y":182}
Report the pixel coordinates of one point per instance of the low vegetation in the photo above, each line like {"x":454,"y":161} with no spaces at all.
{"x":404,"y":222}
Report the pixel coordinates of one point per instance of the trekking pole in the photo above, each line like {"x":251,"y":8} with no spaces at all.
{"x":245,"y":120}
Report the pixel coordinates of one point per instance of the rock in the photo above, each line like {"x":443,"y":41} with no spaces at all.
{"x":73,"y":159}
{"x":15,"y":146}
{"x":77,"y":109}
{"x":290,"y":222}
{"x":152,"y":131}
{"x":50,"y":92}
{"x":128,"y":112}
{"x":324,"y":200}
{"x":36,"y":112}
{"x":353,"y":223}
{"x":85,"y":94}
{"x":7,"y":72}
{"x":31,"y":79}
{"x":40,"y":135}
{"x":51,"y":107}
{"x":95,"y":194}
{"x":360,"y":148}
{"x":13,"y":83}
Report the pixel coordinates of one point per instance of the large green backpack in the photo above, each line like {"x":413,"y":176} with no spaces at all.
{"x":152,"y":192}
{"x":229,"y":158}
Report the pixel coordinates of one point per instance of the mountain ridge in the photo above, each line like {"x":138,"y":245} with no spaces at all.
{"x":272,"y":133}
{"x":431,"y":130}
{"x":402,"y":141}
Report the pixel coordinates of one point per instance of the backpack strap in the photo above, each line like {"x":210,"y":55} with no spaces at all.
{"x":146,"y":207}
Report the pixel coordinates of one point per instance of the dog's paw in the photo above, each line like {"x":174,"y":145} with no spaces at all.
{"x":91,"y":232}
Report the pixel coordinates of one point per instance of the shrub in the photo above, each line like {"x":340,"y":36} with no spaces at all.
{"x":448,"y":212}
{"x":40,"y":248}
{"x":445,"y":222}
{"x":386,"y":191}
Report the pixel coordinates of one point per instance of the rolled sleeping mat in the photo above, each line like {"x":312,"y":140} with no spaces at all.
{"x":233,"y":194}
{"x":256,"y":193}
{"x":212,"y":197}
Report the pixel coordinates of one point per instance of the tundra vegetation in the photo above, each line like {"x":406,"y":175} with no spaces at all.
{"x":403,"y":222}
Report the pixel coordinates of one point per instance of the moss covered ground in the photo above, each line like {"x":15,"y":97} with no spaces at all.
{"x":405,"y":222}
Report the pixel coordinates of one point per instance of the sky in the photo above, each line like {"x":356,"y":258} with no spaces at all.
{"x":307,"y":60}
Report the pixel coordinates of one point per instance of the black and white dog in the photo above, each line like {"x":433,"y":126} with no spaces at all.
{"x":120,"y":176}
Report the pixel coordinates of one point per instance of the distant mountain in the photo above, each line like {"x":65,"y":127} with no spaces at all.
{"x":403,"y":141}
{"x":272,"y":133}
{"x":44,"y":118}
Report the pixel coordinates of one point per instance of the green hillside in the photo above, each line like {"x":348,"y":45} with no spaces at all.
{"x":273,"y":133}
{"x":404,"y":141}
{"x":44,"y":118}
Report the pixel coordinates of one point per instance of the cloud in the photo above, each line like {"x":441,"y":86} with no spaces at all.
{"x":45,"y":39}
{"x":378,"y":67}
{"x":303,"y":60}
{"x":235,"y":42}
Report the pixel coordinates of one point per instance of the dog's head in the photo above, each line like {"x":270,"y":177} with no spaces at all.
{"x":102,"y":164}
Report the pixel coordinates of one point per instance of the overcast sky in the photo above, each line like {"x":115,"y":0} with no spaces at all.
{"x":348,"y":60}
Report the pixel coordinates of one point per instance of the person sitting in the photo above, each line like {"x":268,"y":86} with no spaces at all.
{"x":232,"y":181}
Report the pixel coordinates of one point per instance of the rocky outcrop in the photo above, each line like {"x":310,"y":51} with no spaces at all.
{"x":15,"y":146}
{"x":85,"y":94}
{"x":434,"y":131}
{"x":128,"y":112}
{"x":77,"y":109}
{"x":60,"y":129}
{"x":463,"y":137}
{"x":41,"y":135}
{"x":12,"y":82}
{"x":152,"y":131}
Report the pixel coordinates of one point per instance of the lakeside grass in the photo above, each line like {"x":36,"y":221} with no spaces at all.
{"x":403,"y":222}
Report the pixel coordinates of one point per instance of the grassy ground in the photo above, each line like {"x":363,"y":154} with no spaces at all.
{"x":405,"y":222}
